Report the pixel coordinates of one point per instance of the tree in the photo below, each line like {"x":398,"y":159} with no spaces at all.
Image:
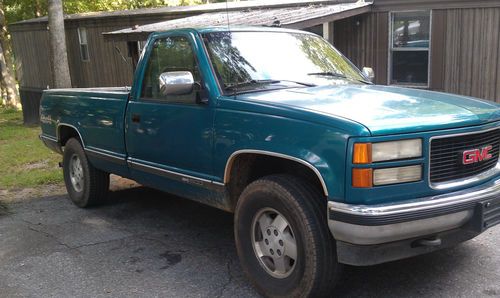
{"x":57,"y":36}
{"x":6,"y":65}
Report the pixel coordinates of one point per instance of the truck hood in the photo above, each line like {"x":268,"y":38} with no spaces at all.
{"x":383,"y":109}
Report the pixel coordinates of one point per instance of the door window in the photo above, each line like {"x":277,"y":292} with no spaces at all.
{"x":169,"y":54}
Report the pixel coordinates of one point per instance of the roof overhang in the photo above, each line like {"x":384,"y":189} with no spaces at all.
{"x":297,"y":17}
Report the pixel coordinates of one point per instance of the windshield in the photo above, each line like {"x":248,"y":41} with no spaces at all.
{"x":249,"y":61}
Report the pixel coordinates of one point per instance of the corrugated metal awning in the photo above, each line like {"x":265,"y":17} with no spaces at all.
{"x":298,"y":17}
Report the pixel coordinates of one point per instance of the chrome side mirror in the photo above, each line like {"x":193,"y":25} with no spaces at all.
{"x":176,"y":83}
{"x":368,"y":73}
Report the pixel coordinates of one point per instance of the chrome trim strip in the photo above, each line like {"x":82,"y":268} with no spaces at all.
{"x":106,"y":156}
{"x":50,"y":138}
{"x":58,"y":131}
{"x":420,"y":204}
{"x":51,"y":143}
{"x":464,"y":181}
{"x":134,"y":164}
{"x":230,"y":161}
{"x":461,"y":181}
{"x":101,"y":90}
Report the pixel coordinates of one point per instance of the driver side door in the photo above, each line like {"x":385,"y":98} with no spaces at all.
{"x":170,"y":135}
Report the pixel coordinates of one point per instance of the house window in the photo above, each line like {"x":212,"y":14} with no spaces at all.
{"x":84,"y":47}
{"x":409,"y":48}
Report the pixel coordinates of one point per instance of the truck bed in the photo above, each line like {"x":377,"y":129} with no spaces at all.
{"x":98,"y":114}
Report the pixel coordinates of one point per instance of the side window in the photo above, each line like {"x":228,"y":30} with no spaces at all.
{"x":84,"y":47}
{"x":410,"y":35}
{"x":169,"y":54}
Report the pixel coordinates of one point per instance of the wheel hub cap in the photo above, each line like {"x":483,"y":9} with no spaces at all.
{"x":274,"y":243}
{"x":76,"y":173}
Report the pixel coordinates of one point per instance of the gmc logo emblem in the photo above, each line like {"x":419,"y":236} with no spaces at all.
{"x":476,"y":155}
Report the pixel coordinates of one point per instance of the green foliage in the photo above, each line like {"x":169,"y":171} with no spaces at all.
{"x":24,"y":160}
{"x":18,"y":10}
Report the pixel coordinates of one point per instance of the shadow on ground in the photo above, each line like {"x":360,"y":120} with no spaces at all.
{"x":143,"y":243}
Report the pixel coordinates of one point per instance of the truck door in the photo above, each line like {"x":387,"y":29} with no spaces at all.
{"x":170,"y":135}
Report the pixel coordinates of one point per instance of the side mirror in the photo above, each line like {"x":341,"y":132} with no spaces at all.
{"x":176,"y":83}
{"x":368,"y":73}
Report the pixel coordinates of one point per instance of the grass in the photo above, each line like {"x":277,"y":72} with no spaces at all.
{"x":24,"y":160}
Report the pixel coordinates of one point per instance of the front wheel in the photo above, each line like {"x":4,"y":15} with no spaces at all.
{"x":283,"y":240}
{"x":85,"y":184}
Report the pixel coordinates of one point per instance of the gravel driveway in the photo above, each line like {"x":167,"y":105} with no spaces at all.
{"x":146,"y":243}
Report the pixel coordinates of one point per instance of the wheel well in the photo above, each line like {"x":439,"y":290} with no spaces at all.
{"x":66,"y":133}
{"x":248,"y":167}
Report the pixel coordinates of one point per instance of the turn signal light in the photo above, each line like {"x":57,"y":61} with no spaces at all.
{"x":362,"y":153}
{"x":362,"y":178}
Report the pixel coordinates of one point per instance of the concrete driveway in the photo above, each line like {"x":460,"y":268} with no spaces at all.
{"x":146,"y":243}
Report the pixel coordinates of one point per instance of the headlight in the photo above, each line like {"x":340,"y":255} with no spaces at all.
{"x":397,"y":175}
{"x":368,"y":177}
{"x":385,"y":151}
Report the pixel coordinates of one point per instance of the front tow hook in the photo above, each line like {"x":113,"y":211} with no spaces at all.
{"x":427,"y":242}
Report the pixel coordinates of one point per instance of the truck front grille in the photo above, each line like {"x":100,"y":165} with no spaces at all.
{"x":447,"y":153}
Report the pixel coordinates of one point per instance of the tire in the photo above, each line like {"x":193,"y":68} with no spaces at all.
{"x":86,"y":185}
{"x":315,"y":270}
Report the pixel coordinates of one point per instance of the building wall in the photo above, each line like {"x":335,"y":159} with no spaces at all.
{"x":105,"y":66}
{"x":472,"y":60}
{"x":32,"y":54}
{"x":465,"y":48}
{"x":364,"y":40}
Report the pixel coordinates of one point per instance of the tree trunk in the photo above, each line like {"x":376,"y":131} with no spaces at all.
{"x":8,"y":82}
{"x":59,"y":56}
{"x":7,"y":65}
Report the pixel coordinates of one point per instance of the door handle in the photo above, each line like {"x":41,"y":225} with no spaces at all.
{"x":136,"y":118}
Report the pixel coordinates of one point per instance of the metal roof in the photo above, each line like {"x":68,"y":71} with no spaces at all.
{"x":192,"y":9}
{"x":296,"y":17}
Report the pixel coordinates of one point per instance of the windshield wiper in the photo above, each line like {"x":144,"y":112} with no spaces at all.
{"x":259,"y":82}
{"x":328,"y":73}
{"x":337,"y":75}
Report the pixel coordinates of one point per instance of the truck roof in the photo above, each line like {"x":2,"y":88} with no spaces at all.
{"x":203,"y":30}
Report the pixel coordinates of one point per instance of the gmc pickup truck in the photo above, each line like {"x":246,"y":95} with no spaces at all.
{"x":320,"y":166}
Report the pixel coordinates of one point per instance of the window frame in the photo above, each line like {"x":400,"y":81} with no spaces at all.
{"x":86,"y":44}
{"x":391,"y":49}
{"x":149,"y":50}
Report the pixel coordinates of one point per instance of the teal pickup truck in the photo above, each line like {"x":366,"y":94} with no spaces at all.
{"x":320,"y":167}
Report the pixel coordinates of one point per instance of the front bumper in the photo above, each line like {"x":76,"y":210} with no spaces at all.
{"x":396,"y":230}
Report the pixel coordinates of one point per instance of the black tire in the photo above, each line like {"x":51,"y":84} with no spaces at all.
{"x":315,"y":270}
{"x":95,"y":183}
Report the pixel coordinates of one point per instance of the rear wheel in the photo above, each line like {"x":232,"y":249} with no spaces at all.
{"x":85,"y":184}
{"x":283,"y":240}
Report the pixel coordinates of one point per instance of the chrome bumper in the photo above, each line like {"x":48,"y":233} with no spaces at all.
{"x":383,"y":223}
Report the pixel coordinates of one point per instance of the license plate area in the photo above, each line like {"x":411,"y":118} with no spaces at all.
{"x":486,"y":215}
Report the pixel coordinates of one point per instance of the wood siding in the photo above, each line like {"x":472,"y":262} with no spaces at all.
{"x":472,"y":60}
{"x":465,"y":48}
{"x":401,"y":5}
{"x":31,"y":49}
{"x":364,"y":40}
{"x":104,"y":69}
